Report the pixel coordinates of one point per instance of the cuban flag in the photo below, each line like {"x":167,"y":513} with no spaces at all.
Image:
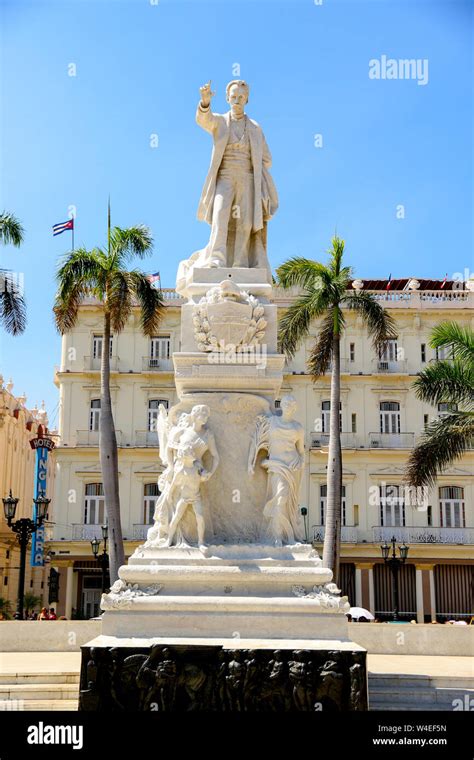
{"x":63,"y":226}
{"x":389,"y":283}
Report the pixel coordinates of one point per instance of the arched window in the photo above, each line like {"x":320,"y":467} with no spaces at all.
{"x":94,"y":415}
{"x":390,"y":417}
{"x":325,"y":416}
{"x":323,"y":489}
{"x":392,"y":505}
{"x":94,"y":504}
{"x":151,"y":493}
{"x":452,"y":510}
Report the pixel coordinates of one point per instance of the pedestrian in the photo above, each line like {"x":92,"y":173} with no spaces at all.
{"x":44,"y":614}
{"x":52,"y":614}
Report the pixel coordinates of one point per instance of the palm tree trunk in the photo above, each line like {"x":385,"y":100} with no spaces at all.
{"x":109,"y":460}
{"x":332,"y":533}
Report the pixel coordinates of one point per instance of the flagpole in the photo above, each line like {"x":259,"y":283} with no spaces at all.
{"x":72,"y":230}
{"x":108,"y":226}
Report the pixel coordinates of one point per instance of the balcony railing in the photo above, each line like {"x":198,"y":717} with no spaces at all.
{"x":152,"y":364}
{"x":91,"y":437}
{"x":146,"y":438}
{"x":140,"y":531}
{"x":423,"y":535}
{"x":389,"y":367}
{"x":348,"y":534}
{"x":82,"y":532}
{"x":391,"y":440}
{"x":319,"y":440}
{"x":92,"y":363}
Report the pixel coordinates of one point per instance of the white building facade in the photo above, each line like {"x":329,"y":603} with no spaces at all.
{"x":380,"y":421}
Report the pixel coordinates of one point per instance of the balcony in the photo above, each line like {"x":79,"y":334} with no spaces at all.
{"x":152,"y":364}
{"x":81,"y":532}
{"x":423,"y":535}
{"x":389,"y":366}
{"x":140,"y":531}
{"x":92,"y":363}
{"x":391,"y":440}
{"x":348,"y":534}
{"x":320,"y":440}
{"x":91,"y":438}
{"x":145,"y":438}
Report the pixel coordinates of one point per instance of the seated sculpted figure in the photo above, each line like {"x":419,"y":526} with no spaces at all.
{"x":182,"y":449}
{"x":283,"y":438}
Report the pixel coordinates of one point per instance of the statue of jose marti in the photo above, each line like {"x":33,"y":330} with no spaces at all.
{"x":239,"y":196}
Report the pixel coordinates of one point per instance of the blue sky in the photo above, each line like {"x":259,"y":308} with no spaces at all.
{"x":72,"y":140}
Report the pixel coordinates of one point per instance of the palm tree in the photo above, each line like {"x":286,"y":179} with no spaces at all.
{"x":5,"y":608}
{"x":30,"y":601}
{"x":449,"y":381}
{"x":103,"y":274}
{"x":324,"y":293}
{"x":12,"y":304}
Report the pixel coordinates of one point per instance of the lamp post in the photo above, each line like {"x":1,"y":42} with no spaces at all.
{"x":394,"y":564}
{"x":24,"y":529}
{"x":103,"y":558}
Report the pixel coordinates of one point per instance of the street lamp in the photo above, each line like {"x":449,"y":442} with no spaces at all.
{"x":394,"y":564}
{"x":103,"y":559}
{"x":24,"y":528}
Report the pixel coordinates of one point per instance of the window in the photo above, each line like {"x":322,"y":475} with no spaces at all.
{"x":389,"y":417}
{"x":153,"y":409}
{"x":389,"y":353}
{"x":426,"y":420}
{"x":423,"y":352}
{"x":352,"y":352}
{"x":94,"y":414}
{"x":323,"y":500}
{"x":445,"y":409}
{"x":94,"y":504}
{"x":159,"y":349}
{"x":97,"y":342}
{"x":392,"y":506}
{"x":277,"y":403}
{"x":354,"y":423}
{"x":452,"y":513}
{"x":151,"y":493}
{"x":325,"y":415}
{"x":429,"y":516}
{"x":443,"y":354}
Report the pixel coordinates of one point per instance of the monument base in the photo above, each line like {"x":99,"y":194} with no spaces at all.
{"x":222,"y":675}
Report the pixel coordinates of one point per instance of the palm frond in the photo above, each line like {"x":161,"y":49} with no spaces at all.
{"x":458,"y":338}
{"x":296,"y":321}
{"x":444,"y":441}
{"x":81,"y":266}
{"x":66,"y":307}
{"x":336,"y":254}
{"x":128,"y":243}
{"x":321,"y":353}
{"x":12,"y":304}
{"x":11,"y":230}
{"x":380,"y":324}
{"x":150,"y":300}
{"x":446,"y":381}
{"x":303,"y":273}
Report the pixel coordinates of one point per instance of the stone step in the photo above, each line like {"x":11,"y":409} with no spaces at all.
{"x":38,"y":691}
{"x":50,"y":704}
{"x":41,"y":678}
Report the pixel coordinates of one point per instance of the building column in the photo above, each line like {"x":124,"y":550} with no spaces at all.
{"x":365,"y":585}
{"x":420,"y":606}
{"x":69,"y":590}
{"x":358,"y":587}
{"x":432,"y":593}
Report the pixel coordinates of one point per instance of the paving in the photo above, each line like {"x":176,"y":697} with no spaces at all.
{"x":50,"y":681}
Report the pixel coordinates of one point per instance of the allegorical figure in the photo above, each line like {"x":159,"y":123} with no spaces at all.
{"x":239,"y":196}
{"x":283,"y":438}
{"x":182,"y":449}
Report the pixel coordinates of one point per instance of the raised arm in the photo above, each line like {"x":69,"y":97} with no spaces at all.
{"x":204,"y":116}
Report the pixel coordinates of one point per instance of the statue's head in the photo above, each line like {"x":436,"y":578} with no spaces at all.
{"x":288,"y":405}
{"x":237,"y":95}
{"x":200,"y":413}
